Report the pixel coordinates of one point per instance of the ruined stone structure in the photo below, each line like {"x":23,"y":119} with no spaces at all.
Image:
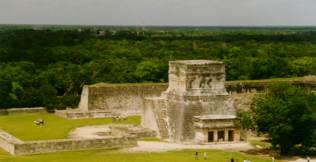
{"x":195,"y":104}
{"x":102,"y":99}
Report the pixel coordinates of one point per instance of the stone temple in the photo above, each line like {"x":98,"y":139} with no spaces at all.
{"x":196,"y":106}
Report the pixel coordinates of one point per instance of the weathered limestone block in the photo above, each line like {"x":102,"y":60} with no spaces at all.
{"x":196,"y":77}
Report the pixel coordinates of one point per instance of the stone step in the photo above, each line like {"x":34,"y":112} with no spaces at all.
{"x":162,"y":125}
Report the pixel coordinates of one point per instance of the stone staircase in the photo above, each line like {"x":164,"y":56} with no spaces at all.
{"x":161,"y":117}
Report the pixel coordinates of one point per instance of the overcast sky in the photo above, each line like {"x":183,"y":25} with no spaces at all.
{"x":159,"y":12}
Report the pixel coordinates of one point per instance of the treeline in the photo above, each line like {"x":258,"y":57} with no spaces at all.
{"x":49,"y":67}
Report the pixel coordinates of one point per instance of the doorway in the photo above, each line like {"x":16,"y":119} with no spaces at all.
{"x":230,"y":135}
{"x":210,"y":136}
{"x":221,"y":135}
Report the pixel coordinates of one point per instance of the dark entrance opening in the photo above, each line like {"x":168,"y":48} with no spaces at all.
{"x":221,"y":135}
{"x":211,"y":136}
{"x":231,"y":135}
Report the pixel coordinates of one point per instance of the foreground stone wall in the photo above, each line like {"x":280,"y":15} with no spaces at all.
{"x":17,"y":147}
{"x":37,"y":147}
{"x":8,"y":142}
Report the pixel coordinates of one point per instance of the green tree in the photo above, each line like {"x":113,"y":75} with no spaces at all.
{"x":149,"y":70}
{"x":287,"y":114}
{"x":304,"y":66}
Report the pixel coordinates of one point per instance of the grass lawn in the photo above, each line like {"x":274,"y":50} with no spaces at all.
{"x":115,"y":156}
{"x":22,"y":126}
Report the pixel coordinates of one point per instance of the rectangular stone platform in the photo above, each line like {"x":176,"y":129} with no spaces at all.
{"x":17,"y":147}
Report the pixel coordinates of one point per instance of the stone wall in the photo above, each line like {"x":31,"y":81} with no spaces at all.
{"x":126,"y":99}
{"x":181,"y":114}
{"x":242,"y":101}
{"x":243,"y":92}
{"x":22,"y":110}
{"x":17,"y":147}
{"x":261,"y":85}
{"x":8,"y":142}
{"x":129,"y":98}
{"x":75,"y":114}
{"x":37,"y":147}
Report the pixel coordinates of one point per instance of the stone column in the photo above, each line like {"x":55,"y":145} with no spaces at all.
{"x":226,"y":135}
{"x":215,"y":136}
{"x":205,"y":137}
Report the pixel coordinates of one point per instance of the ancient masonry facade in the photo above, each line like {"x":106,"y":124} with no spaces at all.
{"x":195,"y":107}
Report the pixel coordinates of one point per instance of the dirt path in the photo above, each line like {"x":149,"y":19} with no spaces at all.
{"x":298,"y":159}
{"x":144,"y":146}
